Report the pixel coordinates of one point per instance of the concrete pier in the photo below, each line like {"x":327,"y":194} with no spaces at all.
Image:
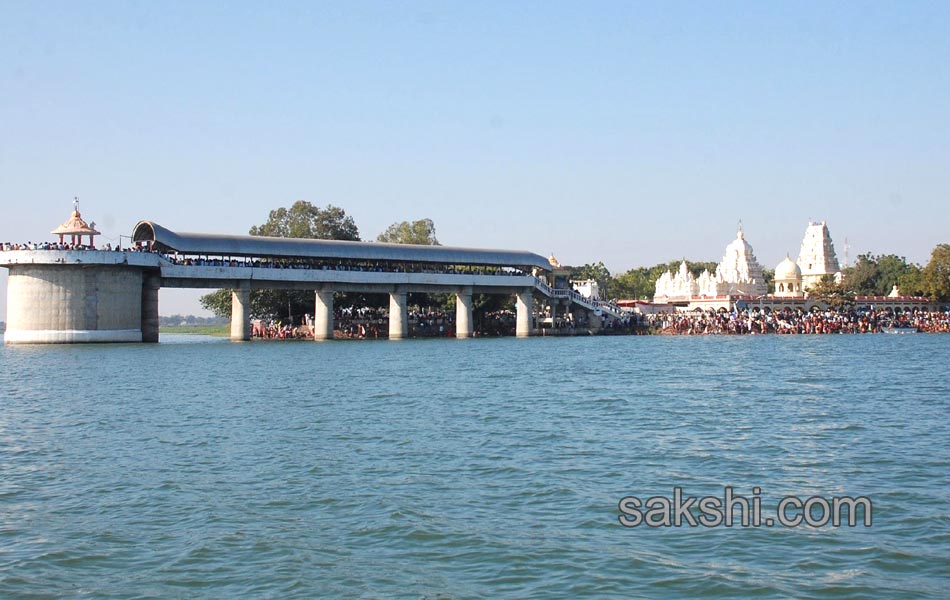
{"x":463,"y":314}
{"x":594,"y":321}
{"x":524,"y":304}
{"x":323,"y":315}
{"x":398,"y":315}
{"x":151,"y":283}
{"x":65,"y":303}
{"x":241,"y":313}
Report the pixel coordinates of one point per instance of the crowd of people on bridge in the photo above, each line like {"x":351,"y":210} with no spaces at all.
{"x":343,"y":265}
{"x":283,"y":263}
{"x":107,"y":247}
{"x":789,"y":321}
{"x":10,"y":246}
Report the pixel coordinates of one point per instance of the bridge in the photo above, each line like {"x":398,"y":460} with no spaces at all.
{"x":85,"y":295}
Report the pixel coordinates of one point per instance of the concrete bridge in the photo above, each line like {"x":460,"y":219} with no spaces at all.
{"x":67,"y":296}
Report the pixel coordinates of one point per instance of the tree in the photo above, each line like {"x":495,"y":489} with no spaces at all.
{"x":876,"y":275}
{"x":834,"y":294}
{"x":304,"y":220}
{"x":864,"y":275}
{"x":598,"y":272}
{"x":936,"y":275}
{"x":301,"y":220}
{"x":420,"y":232}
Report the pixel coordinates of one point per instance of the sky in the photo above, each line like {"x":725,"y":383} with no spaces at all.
{"x":625,"y":132}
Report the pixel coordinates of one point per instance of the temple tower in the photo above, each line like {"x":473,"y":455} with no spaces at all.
{"x":817,"y":257}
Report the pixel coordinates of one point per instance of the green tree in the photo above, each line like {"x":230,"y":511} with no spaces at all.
{"x":598,"y":272}
{"x":864,"y":275}
{"x":832,"y":293}
{"x":936,"y":275}
{"x":304,"y":220}
{"x":876,"y":275}
{"x":420,"y":232}
{"x":301,"y":220}
{"x":768,"y":275}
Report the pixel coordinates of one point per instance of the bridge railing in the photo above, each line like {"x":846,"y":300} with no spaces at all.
{"x":611,"y":308}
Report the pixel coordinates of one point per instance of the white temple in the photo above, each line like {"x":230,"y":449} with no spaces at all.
{"x":738,"y":274}
{"x":817,"y":257}
{"x":739,"y":281}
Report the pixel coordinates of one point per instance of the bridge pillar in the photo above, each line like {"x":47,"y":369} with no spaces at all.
{"x":323,"y":315}
{"x":524,"y":304}
{"x":241,"y":313}
{"x":398,"y":315}
{"x":150,"y":285}
{"x":463,"y":313}
{"x":594,"y":321}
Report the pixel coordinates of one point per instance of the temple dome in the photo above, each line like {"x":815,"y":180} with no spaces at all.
{"x":75,"y":225}
{"x":788,"y":270}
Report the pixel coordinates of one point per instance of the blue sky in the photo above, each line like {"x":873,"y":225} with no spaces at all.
{"x":626,"y":132}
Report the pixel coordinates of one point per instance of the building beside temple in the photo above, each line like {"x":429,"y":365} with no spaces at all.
{"x":588,"y":288}
{"x":788,"y":280}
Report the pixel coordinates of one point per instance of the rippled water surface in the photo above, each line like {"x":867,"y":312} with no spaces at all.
{"x":463,"y":469}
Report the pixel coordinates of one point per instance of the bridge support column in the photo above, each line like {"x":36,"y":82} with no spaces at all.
{"x":150,"y":286}
{"x":463,"y":314}
{"x":594,"y":321}
{"x":241,"y":313}
{"x":398,"y":315}
{"x":323,"y":315}
{"x":524,"y":304}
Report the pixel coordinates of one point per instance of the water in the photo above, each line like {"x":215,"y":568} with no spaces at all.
{"x":462,"y":469}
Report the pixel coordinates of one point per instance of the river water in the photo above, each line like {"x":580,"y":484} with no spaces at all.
{"x":475,"y":468}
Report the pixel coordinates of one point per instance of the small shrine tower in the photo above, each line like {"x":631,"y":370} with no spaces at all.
{"x":75,"y":227}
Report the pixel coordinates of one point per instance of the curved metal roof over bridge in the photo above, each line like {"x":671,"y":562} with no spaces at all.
{"x":274,"y":247}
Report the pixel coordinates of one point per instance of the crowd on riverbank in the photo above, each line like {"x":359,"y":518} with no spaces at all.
{"x":797,"y":322}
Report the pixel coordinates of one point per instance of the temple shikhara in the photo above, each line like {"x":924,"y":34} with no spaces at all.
{"x":738,"y":274}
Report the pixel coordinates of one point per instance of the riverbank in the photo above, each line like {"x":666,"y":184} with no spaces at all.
{"x":223,"y":330}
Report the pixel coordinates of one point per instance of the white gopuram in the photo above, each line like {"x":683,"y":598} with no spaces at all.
{"x":817,"y":257}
